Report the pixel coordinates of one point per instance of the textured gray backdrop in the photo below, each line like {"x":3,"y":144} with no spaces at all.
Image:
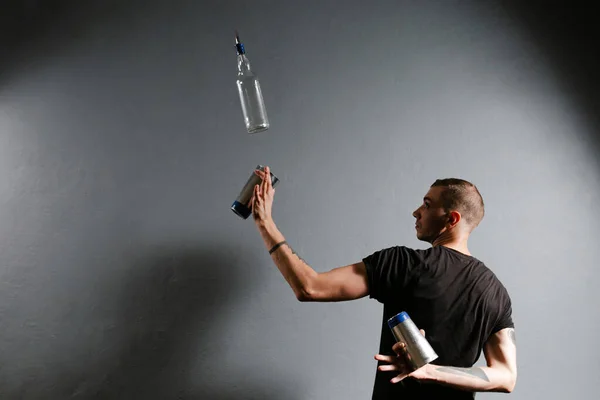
{"x":123,"y":273}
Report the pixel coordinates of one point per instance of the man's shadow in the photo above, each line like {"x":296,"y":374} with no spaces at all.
{"x":172,"y":308}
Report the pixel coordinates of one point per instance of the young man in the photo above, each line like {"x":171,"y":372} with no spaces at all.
{"x":460,"y":305}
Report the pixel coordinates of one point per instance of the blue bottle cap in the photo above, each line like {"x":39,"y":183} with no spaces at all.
{"x":239,"y":46}
{"x":398,"y":319}
{"x":241,"y":209}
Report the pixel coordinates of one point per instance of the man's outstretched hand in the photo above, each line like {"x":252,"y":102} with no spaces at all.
{"x":262,"y":199}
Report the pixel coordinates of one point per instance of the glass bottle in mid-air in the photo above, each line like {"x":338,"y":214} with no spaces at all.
{"x":251,"y":98}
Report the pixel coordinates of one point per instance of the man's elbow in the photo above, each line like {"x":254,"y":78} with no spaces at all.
{"x":306,"y":291}
{"x":305,"y":295}
{"x":510,"y":383}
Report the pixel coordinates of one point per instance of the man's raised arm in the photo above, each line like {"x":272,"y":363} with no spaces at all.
{"x":340,"y":284}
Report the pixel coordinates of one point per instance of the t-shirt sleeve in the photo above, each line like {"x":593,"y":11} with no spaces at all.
{"x":389,"y":272}
{"x":505,"y":315}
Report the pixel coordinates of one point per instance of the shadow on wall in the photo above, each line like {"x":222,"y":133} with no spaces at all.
{"x":566,"y":34}
{"x":171,"y":313}
{"x":33,"y":30}
{"x":23,"y":24}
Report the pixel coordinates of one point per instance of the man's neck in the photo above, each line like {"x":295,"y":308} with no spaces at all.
{"x":454,"y":243}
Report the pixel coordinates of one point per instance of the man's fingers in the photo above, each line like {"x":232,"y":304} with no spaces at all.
{"x":268,"y":177}
{"x":265,"y":185}
{"x":268,"y":181}
{"x":389,"y":367}
{"x":381,"y":357}
{"x":400,"y":348}
{"x":398,"y":378}
{"x":261,"y":172}
{"x":257,"y":197}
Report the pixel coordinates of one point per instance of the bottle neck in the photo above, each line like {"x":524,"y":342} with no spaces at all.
{"x":243,"y":64}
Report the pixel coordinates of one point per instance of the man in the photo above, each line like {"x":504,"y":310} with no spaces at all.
{"x":458,"y":302}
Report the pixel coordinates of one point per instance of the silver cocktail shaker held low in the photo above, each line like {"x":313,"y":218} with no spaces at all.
{"x":241,"y":205}
{"x":418,"y":348}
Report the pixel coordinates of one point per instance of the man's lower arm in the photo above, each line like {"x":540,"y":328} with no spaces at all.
{"x":474,"y":379}
{"x":294,"y":269}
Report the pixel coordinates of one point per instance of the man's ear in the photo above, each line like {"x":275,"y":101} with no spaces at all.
{"x":454,"y":218}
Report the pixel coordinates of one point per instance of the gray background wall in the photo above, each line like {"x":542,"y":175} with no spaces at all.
{"x":123,"y":273}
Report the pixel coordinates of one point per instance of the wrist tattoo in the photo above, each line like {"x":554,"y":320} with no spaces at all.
{"x":476,"y":372}
{"x":278,"y":245}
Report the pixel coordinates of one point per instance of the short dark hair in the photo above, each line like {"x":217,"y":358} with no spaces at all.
{"x":464,"y":197}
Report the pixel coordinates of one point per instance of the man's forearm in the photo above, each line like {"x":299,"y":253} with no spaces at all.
{"x":294,"y":269}
{"x":474,"y":379}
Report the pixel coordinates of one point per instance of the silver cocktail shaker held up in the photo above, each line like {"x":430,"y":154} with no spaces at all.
{"x":418,"y":348}
{"x":241,"y":205}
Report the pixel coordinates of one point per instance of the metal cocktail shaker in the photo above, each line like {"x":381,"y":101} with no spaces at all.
{"x":418,"y":348}
{"x":241,"y":205}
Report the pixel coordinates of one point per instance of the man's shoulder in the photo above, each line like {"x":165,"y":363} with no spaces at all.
{"x":395,"y":255}
{"x":422,"y":255}
{"x":488,"y":278}
{"x":397,"y":248}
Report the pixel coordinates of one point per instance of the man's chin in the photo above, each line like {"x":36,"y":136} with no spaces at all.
{"x":424,"y":238}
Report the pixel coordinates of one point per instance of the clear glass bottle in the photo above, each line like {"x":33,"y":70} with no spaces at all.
{"x":251,"y":98}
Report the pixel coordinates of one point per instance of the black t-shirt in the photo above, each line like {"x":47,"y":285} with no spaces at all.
{"x":454,"y":297}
